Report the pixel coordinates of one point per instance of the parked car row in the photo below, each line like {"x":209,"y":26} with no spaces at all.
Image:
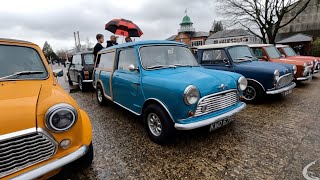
{"x":161,"y":81}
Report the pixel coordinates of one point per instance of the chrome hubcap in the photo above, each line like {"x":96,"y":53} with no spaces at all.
{"x":154,"y":124}
{"x":99,"y":93}
{"x":249,"y":94}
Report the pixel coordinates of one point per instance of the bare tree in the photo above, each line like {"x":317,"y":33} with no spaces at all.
{"x":265,"y":15}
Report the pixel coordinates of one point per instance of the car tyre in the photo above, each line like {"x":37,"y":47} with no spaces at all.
{"x":69,"y":80}
{"x":86,"y":160}
{"x":253,"y":93}
{"x":100,"y":96}
{"x":158,"y":124}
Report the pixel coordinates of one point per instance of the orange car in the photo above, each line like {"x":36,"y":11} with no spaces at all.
{"x":288,"y":52}
{"x":268,"y":52}
{"x":42,"y":128}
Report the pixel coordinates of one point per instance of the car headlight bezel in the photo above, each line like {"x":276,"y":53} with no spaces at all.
{"x":191,"y":95}
{"x":295,"y":69}
{"x":242,"y":83}
{"x":276,"y":75}
{"x":58,"y":108}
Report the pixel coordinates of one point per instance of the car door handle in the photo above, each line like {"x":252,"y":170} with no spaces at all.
{"x":137,"y":83}
{"x":116,"y":75}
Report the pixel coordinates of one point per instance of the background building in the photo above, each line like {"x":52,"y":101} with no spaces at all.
{"x":233,"y":36}
{"x":188,"y":35}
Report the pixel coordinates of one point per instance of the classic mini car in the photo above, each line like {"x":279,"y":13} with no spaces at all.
{"x":263,"y":77}
{"x":288,"y":52}
{"x":162,"y":82}
{"x":268,"y":52}
{"x":80,"y":70}
{"x":42,"y":128}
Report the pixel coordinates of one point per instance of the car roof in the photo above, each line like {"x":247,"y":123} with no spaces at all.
{"x":259,"y":45}
{"x":14,"y":40}
{"x":281,"y":46}
{"x":224,"y":45}
{"x":141,"y":43}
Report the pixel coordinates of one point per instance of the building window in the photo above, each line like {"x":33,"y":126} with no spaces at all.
{"x":197,"y":43}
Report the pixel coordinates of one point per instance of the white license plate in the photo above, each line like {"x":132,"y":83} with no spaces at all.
{"x":219,"y":124}
{"x":287,"y":93}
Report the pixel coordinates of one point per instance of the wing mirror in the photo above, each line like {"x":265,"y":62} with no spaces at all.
{"x":227,"y":62}
{"x":132,"y":68}
{"x":58,"y":73}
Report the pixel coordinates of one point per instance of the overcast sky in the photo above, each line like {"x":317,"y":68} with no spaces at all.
{"x":55,"y":21}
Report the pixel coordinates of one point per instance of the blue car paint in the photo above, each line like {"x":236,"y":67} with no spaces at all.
{"x":260,"y":71}
{"x":167,"y":85}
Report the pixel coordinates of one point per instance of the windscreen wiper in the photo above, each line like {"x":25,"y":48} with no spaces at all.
{"x":22,"y":73}
{"x":161,"y":66}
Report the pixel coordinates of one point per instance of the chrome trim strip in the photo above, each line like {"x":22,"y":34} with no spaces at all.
{"x":209,"y":120}
{"x":126,"y":108}
{"x":281,"y":90}
{"x":42,"y":170}
{"x":304,"y":78}
{"x":87,"y":81}
{"x":17,"y":134}
{"x":257,"y":82}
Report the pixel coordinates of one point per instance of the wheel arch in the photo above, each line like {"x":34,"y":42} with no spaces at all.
{"x":256,"y":82}
{"x":158,"y":102}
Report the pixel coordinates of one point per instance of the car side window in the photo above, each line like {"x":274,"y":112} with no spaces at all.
{"x":258,"y":52}
{"x":213,"y":56}
{"x":106,"y":61}
{"x":76,"y":60}
{"x":126,"y":58}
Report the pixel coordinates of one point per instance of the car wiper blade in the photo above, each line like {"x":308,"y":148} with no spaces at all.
{"x":185,"y":65}
{"x":22,"y":73}
{"x":161,"y":66}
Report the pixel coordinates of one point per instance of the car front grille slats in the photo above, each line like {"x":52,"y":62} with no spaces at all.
{"x":285,"y":80}
{"x":20,"y":152}
{"x":217,"y":102}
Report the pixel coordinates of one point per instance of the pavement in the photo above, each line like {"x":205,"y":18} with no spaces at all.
{"x":278,"y":139}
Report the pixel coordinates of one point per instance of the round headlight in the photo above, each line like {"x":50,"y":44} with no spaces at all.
{"x":294,"y":68}
{"x":191,"y":95}
{"x":242,"y":83}
{"x":276,"y":74}
{"x":61,"y":117}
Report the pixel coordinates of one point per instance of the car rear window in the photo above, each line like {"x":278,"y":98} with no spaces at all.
{"x":88,"y":59}
{"x":15,"y":59}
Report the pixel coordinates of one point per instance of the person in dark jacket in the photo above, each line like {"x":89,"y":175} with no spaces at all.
{"x":112,"y":42}
{"x":98,"y":46}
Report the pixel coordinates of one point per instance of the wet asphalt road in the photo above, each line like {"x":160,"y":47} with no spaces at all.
{"x":273,"y":140}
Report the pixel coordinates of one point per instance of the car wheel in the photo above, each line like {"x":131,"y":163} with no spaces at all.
{"x":159,"y":125}
{"x":86,"y":160}
{"x":69,"y":80}
{"x":253,"y":94}
{"x":100,"y":96}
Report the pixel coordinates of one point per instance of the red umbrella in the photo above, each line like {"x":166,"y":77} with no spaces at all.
{"x":123,"y":27}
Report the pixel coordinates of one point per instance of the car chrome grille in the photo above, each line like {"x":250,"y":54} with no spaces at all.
{"x":23,"y":151}
{"x":285,"y":80}
{"x":216,"y":102}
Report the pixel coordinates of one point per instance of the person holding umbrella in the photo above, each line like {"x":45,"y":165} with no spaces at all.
{"x":112,"y":42}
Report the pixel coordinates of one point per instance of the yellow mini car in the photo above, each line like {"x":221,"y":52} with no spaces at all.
{"x":42,"y":128}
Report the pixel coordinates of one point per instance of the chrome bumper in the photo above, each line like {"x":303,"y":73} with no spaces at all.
{"x":36,"y":173}
{"x":281,"y":90}
{"x":87,"y":81}
{"x":304,"y":78}
{"x":208,"y":121}
{"x":315,"y":71}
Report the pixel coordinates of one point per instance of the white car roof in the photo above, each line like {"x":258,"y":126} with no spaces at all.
{"x":259,"y":45}
{"x":281,"y":46}
{"x":223,"y":45}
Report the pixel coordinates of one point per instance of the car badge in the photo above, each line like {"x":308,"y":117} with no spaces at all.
{"x":222,"y":87}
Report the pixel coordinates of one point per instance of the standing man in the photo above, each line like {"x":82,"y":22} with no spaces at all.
{"x":112,"y":42}
{"x":98,"y":46}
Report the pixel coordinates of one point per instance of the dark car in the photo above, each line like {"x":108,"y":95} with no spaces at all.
{"x":263,"y":77}
{"x":80,"y":70}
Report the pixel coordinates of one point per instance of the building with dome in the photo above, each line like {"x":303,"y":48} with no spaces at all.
{"x":187,"y":34}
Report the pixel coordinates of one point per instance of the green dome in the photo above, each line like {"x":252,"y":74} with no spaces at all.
{"x":186,"y":21}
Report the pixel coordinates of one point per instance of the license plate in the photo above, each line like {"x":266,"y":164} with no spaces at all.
{"x":219,"y":124}
{"x":287,"y":93}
